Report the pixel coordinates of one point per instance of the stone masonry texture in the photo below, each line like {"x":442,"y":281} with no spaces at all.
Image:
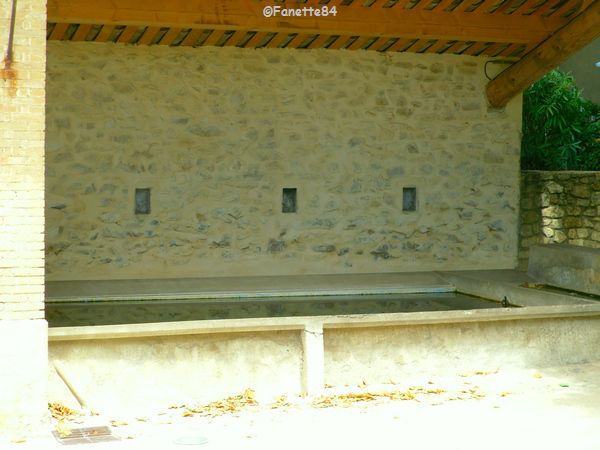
{"x":217,"y":133}
{"x":560,"y":208}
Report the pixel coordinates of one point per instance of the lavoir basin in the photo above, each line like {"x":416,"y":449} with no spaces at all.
{"x":135,"y":345}
{"x":87,"y":313}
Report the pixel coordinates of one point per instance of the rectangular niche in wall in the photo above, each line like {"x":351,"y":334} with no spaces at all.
{"x":142,"y":201}
{"x":409,"y":199}
{"x":289,"y":200}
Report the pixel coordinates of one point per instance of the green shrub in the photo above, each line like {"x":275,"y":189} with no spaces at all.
{"x":561,"y":130}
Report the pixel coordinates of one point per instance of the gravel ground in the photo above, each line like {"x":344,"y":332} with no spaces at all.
{"x":552,"y":408}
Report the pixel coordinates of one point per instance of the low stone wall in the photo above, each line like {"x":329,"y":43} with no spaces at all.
{"x":559,"y":207}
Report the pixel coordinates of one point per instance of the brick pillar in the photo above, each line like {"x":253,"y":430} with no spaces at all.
{"x":23,"y":330}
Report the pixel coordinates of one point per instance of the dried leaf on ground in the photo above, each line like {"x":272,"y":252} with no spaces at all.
{"x":479,"y":372}
{"x":62,"y":429}
{"x":421,"y":390}
{"x":355,"y":397}
{"x":280,"y":402}
{"x":231,"y":404}
{"x":61,"y":412}
{"x":118,"y":423}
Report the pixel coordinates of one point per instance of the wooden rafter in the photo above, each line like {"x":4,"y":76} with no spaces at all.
{"x":354,"y":19}
{"x":82,"y":32}
{"x":582,"y":30}
{"x":127,"y":34}
{"x":486,"y":28}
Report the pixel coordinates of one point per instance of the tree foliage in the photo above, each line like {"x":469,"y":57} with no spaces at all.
{"x":561,"y":129}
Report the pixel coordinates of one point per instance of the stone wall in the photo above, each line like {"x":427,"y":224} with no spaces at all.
{"x":559,"y":207}
{"x":23,"y":330}
{"x":217,"y":133}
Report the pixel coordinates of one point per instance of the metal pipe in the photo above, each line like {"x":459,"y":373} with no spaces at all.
{"x":11,"y":32}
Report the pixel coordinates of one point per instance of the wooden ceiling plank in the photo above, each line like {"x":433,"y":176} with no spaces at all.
{"x":442,"y":5}
{"x":192,"y":37}
{"x":59,"y":31}
{"x":377,"y":43}
{"x":526,"y":50}
{"x":380,"y":44}
{"x":340,"y":42}
{"x":297,"y":40}
{"x":235,"y":38}
{"x":359,"y":42}
{"x":127,"y":34}
{"x":476,"y":48}
{"x":504,"y":6}
{"x":374,"y":21}
{"x":494,"y":49}
{"x":277,"y":40}
{"x":482,"y":10}
{"x":377,"y":4}
{"x":82,"y":32}
{"x":213,"y":38}
{"x":170,"y":36}
{"x":521,"y":50}
{"x":524,"y":7}
{"x":582,"y":30}
{"x":148,"y":35}
{"x":319,"y":41}
{"x":105,"y":33}
{"x":422,"y":5}
{"x":440,"y":45}
{"x":546,"y":7}
{"x":308,"y":3}
{"x":256,"y":39}
{"x":339,"y":3}
{"x":508,"y":50}
{"x":414,"y":47}
{"x":576,"y":5}
{"x":396,"y":46}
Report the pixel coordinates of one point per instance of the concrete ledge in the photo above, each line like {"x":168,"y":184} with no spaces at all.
{"x":566,"y":266}
{"x":498,"y":284}
{"x":300,"y":323}
{"x":243,"y":287}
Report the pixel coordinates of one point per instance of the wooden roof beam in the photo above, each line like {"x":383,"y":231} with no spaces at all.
{"x":349,"y":21}
{"x":579,"y":32}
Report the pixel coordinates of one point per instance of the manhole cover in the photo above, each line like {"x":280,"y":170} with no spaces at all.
{"x":191,"y":440}
{"x":85,"y":436}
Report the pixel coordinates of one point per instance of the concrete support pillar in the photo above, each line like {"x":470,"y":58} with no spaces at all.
{"x":313,"y":370}
{"x":23,"y":377}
